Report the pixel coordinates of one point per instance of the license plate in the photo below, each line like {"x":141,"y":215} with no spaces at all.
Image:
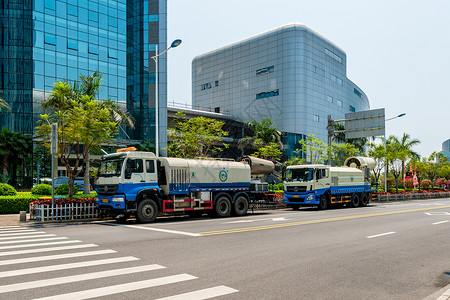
{"x":104,"y":200}
{"x":295,"y":196}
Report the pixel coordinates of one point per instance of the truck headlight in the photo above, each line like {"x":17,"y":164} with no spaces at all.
{"x":118,"y":199}
{"x":310,"y":197}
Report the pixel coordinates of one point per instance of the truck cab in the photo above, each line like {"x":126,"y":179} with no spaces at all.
{"x":305,"y":182}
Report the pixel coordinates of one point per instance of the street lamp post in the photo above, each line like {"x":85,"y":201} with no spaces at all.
{"x":174,"y":44}
{"x":385,"y":162}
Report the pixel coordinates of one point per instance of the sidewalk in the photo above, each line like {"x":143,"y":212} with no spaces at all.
{"x":9,"y":220}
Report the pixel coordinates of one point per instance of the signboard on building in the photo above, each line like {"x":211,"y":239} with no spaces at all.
{"x":365,"y":123}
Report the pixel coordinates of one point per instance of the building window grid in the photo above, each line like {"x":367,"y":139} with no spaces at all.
{"x":64,"y":23}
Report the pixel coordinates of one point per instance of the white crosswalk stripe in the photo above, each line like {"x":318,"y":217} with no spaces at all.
{"x":40,"y":244}
{"x":45,"y":264}
{"x":33,"y":240}
{"x":54,"y":257}
{"x":38,"y":234}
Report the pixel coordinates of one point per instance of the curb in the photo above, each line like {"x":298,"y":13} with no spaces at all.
{"x":442,"y":294}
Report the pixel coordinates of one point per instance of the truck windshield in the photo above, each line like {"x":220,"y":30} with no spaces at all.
{"x":110,"y":168}
{"x":299,"y":175}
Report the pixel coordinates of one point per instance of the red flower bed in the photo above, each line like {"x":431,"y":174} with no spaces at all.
{"x":62,"y":201}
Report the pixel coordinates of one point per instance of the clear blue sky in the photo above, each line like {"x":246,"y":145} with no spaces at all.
{"x":398,"y":51}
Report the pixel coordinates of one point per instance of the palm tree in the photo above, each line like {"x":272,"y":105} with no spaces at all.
{"x":263,"y":133}
{"x":13,"y":148}
{"x":405,"y":144}
{"x":3,"y":105}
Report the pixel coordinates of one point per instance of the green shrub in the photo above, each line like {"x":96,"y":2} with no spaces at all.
{"x":42,"y":189}
{"x":426,"y":184}
{"x":15,"y":204}
{"x":7,"y":190}
{"x":63,"y":189}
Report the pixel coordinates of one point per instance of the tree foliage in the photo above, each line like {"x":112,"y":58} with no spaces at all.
{"x":84,"y":123}
{"x":195,"y":137}
{"x":14,"y":147}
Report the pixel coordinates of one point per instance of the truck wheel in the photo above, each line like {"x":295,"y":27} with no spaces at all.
{"x":223,"y":207}
{"x":364,"y":200}
{"x":355,"y":200}
{"x":323,"y":204}
{"x":147,"y":211}
{"x":240,"y":206}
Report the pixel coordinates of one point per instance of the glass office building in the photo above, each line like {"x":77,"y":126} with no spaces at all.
{"x":290,"y":74}
{"x":44,"y":41}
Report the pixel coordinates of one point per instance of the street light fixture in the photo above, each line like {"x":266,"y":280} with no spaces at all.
{"x":386,"y":166}
{"x":174,"y":44}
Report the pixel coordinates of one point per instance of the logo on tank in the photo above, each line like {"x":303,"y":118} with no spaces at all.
{"x":223,"y":175}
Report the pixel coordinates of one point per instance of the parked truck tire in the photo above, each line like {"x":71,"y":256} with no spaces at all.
{"x":240,"y":206}
{"x":323,"y":203}
{"x":355,"y":200}
{"x":147,"y":211}
{"x":222,"y":207}
{"x":364,"y":199}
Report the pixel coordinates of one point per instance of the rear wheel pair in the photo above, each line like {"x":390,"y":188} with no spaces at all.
{"x":223,"y":207}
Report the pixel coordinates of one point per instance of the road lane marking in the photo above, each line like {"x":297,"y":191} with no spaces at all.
{"x":257,"y":220}
{"x":39,"y":234}
{"x":4,"y":232}
{"x":10,"y":227}
{"x":75,"y":278}
{"x":40,"y":244}
{"x":33,"y":240}
{"x":54,"y":257}
{"x":76,"y":265}
{"x":158,"y":230}
{"x":442,"y":222}
{"x":7,"y":253}
{"x":21,"y":233}
{"x":203,"y":294}
{"x":256,"y":228}
{"x":381,"y":234}
{"x":121,"y":288}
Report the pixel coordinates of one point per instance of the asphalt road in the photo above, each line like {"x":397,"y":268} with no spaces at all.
{"x":385,"y":251}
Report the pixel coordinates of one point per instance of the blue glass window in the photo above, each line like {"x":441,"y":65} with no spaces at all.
{"x":61,"y":73}
{"x":61,"y":9}
{"x":112,"y":53}
{"x":39,"y":39}
{"x":50,"y":69}
{"x":83,"y":48}
{"x":82,"y":15}
{"x":61,"y":44}
{"x":72,"y":10}
{"x":50,"y":4}
{"x":82,"y":63}
{"x":72,"y":73}
{"x":50,"y":56}
{"x":39,"y":67}
{"x":61,"y":58}
{"x":72,"y":44}
{"x":38,"y":82}
{"x":93,"y":16}
{"x":38,"y":53}
{"x":112,"y":21}
{"x":358,"y":93}
{"x":83,"y":3}
{"x":39,"y":5}
{"x":93,"y":49}
{"x":351,"y":108}
{"x":50,"y":39}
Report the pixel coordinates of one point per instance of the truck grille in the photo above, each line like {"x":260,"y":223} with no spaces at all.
{"x":107,"y":189}
{"x":294,"y":189}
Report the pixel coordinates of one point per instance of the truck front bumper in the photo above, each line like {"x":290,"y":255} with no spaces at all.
{"x":116,"y":202}
{"x":301,"y":198}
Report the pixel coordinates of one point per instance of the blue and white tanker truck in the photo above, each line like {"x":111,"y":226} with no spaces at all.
{"x":139,"y":183}
{"x":323,"y":186}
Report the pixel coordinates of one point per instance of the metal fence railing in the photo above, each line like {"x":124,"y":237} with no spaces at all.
{"x":45,"y":212}
{"x":412,"y":196}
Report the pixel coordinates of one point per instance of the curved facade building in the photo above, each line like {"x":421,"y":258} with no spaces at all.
{"x":290,"y":74}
